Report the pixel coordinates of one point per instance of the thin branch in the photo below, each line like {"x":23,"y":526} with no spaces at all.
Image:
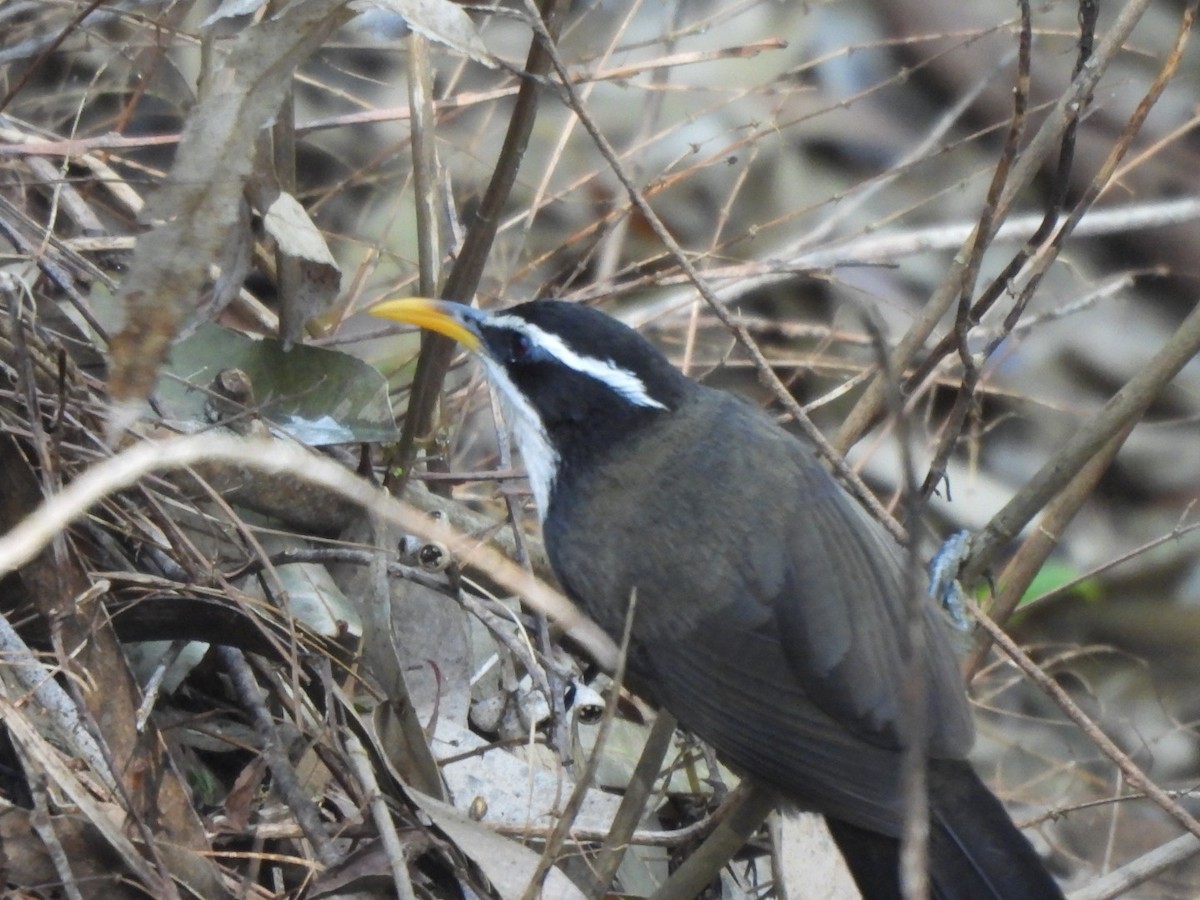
{"x":1133,"y":774}
{"x":584,"y":779}
{"x":380,"y":814}
{"x":1127,"y":405}
{"x":463,"y":280}
{"x":867,"y":410}
{"x":35,"y":531}
{"x":765,"y":372}
{"x":303,"y":808}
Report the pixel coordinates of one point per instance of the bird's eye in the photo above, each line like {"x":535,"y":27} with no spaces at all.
{"x":520,"y":347}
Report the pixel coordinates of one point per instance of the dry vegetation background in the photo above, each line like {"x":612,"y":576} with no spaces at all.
{"x":200,"y":693}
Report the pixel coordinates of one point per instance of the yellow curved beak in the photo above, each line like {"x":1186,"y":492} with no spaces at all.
{"x":446,"y":318}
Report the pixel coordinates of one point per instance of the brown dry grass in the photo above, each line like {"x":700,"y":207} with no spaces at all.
{"x":772,"y":191}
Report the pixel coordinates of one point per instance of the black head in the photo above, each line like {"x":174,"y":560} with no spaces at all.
{"x":575,"y":381}
{"x":578,"y":367}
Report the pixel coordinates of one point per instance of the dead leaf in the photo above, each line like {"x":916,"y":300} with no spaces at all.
{"x":201,"y":200}
{"x":314,"y":276}
{"x":507,"y":865}
{"x":437,"y":20}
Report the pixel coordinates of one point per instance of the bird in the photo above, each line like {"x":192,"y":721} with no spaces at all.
{"x":769,"y":603}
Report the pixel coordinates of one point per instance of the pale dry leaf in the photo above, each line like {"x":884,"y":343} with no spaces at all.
{"x":231,"y":8}
{"x":506,"y":864}
{"x":516,"y":791}
{"x":810,"y":865}
{"x":438,"y":20}
{"x":310,"y":279}
{"x":289,"y":223}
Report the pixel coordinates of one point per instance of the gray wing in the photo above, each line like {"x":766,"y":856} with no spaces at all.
{"x":780,"y":645}
{"x":843,"y":620}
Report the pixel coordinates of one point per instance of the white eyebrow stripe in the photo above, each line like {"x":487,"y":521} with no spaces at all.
{"x":620,"y":380}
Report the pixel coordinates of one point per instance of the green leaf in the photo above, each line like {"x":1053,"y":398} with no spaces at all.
{"x":1054,"y":576}
{"x":317,"y":396}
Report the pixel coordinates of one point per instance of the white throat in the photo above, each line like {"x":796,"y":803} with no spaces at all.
{"x":539,"y":456}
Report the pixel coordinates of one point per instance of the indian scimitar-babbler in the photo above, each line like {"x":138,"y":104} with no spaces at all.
{"x":769,"y":603}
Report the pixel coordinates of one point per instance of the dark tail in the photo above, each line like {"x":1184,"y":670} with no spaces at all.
{"x":975,"y":851}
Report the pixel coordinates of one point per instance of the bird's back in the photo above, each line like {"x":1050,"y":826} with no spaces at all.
{"x":784,"y":653}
